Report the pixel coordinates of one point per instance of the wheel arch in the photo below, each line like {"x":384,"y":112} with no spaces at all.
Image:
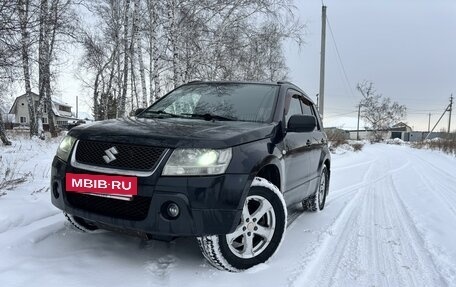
{"x":272,"y":173}
{"x":271,"y":170}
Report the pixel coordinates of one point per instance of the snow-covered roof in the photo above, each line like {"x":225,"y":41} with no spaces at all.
{"x":59,"y":102}
{"x":54,"y":102}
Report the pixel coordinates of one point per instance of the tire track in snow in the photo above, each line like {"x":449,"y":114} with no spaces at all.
{"x":374,"y":242}
{"x":304,"y":270}
{"x":445,"y":199}
{"x":447,"y":192}
{"x":438,"y":169}
{"x":344,"y":167}
{"x":421,"y":259}
{"x":33,"y":232}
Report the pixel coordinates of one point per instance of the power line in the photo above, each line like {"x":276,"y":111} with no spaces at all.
{"x":422,"y":113}
{"x":340,"y":59}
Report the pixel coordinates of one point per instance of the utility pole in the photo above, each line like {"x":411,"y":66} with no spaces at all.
{"x":450,"y":108}
{"x":429,"y":123}
{"x":322,"y":61}
{"x":357,"y":129}
{"x":447,"y":109}
{"x":77,"y":106}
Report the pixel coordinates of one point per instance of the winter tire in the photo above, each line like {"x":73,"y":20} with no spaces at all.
{"x":257,"y":237}
{"x":80,"y":224}
{"x":317,"y":201}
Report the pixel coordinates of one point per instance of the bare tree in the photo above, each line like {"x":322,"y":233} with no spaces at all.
{"x":155,"y":53}
{"x":379,"y":112}
{"x":136,"y":51}
{"x":184,"y":40}
{"x":123,"y":97}
{"x":8,"y":42}
{"x":3,"y":136}
{"x":23,"y":7}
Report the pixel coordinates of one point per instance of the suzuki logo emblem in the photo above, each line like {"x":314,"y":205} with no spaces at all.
{"x":110,"y":154}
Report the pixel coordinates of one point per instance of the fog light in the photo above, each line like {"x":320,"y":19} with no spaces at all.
{"x":173,"y":210}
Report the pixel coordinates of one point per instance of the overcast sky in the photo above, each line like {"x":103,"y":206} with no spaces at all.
{"x":407,"y":48}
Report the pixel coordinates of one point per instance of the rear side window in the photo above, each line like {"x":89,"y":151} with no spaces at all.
{"x":309,"y":110}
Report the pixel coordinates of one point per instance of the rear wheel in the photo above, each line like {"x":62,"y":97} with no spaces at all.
{"x":317,"y":201}
{"x":80,"y":224}
{"x":258,"y":234}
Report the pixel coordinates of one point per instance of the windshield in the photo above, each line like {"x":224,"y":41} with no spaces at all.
{"x":218,"y":101}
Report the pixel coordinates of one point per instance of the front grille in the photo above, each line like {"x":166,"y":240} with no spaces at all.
{"x":132,"y":157}
{"x":136,"y":209}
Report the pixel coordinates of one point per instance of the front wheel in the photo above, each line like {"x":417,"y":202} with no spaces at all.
{"x":258,"y":234}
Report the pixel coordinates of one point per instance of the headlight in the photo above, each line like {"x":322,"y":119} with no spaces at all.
{"x":63,"y":152}
{"x":198,"y":162}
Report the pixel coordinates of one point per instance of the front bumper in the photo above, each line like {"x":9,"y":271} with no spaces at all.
{"x":208,"y":205}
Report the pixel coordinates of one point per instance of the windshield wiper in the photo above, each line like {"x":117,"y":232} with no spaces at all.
{"x":209,"y":117}
{"x":163,"y":113}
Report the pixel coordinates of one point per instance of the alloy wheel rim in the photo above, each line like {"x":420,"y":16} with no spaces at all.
{"x":255,"y":230}
{"x":322,"y":189}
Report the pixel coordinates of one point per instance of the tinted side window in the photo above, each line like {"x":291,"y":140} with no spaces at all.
{"x":295,"y":107}
{"x":307,"y":109}
{"x":317,"y":117}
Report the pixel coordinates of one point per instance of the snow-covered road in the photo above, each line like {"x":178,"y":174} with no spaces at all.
{"x":390,"y":220}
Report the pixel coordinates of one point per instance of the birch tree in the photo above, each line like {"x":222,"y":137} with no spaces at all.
{"x":184,"y":40}
{"x":379,"y":112}
{"x":8,"y":42}
{"x":3,"y":136}
{"x":123,"y":97}
{"x":23,"y":8}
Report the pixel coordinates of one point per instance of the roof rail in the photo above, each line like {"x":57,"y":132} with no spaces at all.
{"x":285,"y":82}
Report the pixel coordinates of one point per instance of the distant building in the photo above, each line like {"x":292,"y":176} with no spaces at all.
{"x":62,"y":112}
{"x":399,"y":130}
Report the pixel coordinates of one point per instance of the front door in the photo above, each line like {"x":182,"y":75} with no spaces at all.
{"x":297,"y":154}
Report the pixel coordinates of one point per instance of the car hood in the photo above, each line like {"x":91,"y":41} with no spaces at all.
{"x":174,"y":132}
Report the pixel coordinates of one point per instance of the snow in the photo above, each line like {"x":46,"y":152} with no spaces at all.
{"x":389,"y":220}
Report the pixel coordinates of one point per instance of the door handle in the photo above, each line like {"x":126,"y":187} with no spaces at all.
{"x":308,"y":143}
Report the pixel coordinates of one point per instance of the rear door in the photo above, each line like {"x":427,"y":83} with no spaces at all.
{"x":318,"y":140}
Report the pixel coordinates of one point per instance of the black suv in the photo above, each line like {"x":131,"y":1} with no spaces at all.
{"x":220,"y":161}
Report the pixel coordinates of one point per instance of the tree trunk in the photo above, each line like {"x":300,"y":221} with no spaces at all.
{"x":142,"y":75}
{"x":173,"y":41}
{"x":123,"y":97}
{"x":154,"y":83}
{"x":137,"y":39}
{"x":51,"y":114}
{"x":43,"y":55}
{"x":96,"y":107}
{"x":3,"y":136}
{"x":23,"y":8}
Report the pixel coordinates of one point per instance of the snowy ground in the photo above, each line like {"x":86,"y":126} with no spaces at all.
{"x":390,"y":220}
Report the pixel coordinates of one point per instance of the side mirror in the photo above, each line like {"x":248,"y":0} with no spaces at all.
{"x":301,"y":124}
{"x":138,"y":111}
